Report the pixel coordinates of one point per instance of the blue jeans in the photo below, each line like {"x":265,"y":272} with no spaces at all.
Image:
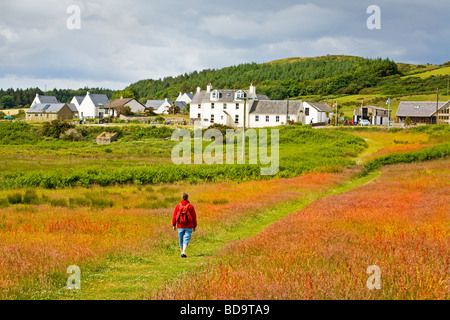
{"x":184,"y":235}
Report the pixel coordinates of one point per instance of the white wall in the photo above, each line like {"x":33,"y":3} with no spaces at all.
{"x":272,"y":120}
{"x":135,"y":106}
{"x":87,"y":108}
{"x":206,"y":111}
{"x":314,"y":114}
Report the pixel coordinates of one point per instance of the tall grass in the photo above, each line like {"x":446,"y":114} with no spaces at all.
{"x":399,"y":223}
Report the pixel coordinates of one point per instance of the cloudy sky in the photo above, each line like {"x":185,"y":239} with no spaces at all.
{"x":120,"y":42}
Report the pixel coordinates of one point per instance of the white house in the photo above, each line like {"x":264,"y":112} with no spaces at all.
{"x":114,"y":106}
{"x":164,"y":107}
{"x":271,"y":113}
{"x":185,"y":97}
{"x":76,"y":101}
{"x":93,"y":106}
{"x":155,"y":104}
{"x":226,"y":106}
{"x":44,"y":99}
{"x":317,"y":112}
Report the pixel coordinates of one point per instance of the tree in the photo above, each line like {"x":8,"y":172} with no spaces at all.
{"x":124,"y":94}
{"x":174,"y":109}
{"x":124,"y":110}
{"x":7,"y":101}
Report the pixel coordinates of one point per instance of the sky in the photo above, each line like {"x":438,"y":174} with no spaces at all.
{"x":119,"y":42}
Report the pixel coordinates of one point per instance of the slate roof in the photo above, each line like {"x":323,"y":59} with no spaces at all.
{"x":79,"y":99}
{"x":48,"y":99}
{"x":262,"y":97}
{"x":48,"y":107}
{"x":190,"y":95}
{"x":99,"y":100}
{"x":181,"y":104}
{"x":227,"y":96}
{"x":155,"y":104}
{"x":418,"y":108}
{"x":72,"y":107}
{"x":275,"y":107}
{"x":320,"y":106}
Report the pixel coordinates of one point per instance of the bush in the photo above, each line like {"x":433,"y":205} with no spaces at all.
{"x":71,"y":135}
{"x":55,"y":128}
{"x":15,"y":198}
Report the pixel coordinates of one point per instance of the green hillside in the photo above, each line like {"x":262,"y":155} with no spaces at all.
{"x":319,"y":78}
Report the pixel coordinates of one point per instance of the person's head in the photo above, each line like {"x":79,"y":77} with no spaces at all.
{"x":185,"y":196}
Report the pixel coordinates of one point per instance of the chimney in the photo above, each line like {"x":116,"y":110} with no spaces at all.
{"x":208,"y":88}
{"x":199,"y":89}
{"x":87,"y":93}
{"x":252,"y":90}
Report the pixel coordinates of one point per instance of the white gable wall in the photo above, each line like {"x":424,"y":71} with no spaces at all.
{"x":87,"y":108}
{"x":315,"y":115}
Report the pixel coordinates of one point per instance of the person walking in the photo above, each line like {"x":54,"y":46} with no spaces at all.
{"x":185,"y":220}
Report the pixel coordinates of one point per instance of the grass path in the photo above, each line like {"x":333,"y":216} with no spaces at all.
{"x":138,"y":277}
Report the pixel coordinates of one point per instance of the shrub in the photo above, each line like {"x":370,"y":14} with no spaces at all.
{"x":55,"y":128}
{"x":15,"y":198}
{"x":71,"y":135}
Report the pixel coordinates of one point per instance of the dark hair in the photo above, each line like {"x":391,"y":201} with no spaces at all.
{"x":185,"y":196}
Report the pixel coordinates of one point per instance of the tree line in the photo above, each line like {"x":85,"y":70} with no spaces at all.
{"x":22,"y":98}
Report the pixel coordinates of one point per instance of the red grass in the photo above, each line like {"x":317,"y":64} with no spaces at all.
{"x":399,"y":223}
{"x":39,"y":242}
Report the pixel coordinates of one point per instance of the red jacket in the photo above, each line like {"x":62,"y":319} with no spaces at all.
{"x":191,"y":210}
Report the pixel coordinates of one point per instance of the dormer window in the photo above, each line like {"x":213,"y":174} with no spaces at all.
{"x":240,"y":95}
{"x":216,"y":94}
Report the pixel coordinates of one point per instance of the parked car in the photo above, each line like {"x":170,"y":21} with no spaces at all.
{"x":364,"y":122}
{"x":9,"y":118}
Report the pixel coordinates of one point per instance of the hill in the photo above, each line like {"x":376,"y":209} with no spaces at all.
{"x":317,"y":78}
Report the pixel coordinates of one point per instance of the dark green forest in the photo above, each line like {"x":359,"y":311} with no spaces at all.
{"x":293,"y":77}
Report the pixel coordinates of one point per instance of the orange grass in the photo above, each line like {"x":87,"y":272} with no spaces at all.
{"x":400,"y":223}
{"x":39,"y":242}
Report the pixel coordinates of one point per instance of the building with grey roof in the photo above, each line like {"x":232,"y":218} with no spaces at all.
{"x":232,"y":107}
{"x":44,"y":99}
{"x":49,"y":112}
{"x":93,"y":106}
{"x":423,"y":111}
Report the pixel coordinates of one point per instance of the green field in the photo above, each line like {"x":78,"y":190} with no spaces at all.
{"x":109,"y":211}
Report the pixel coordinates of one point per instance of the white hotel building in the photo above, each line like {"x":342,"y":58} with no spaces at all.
{"x":227,"y":107}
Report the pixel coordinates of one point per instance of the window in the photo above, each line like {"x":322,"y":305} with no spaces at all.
{"x":212,"y":105}
{"x":212,"y":118}
{"x":256,"y":118}
{"x":237,"y":106}
{"x":277,"y":119}
{"x":239,"y":95}
{"x":199,"y":115}
{"x":224,"y":106}
{"x":306,"y":111}
{"x":215,"y":94}
{"x":221,"y":117}
{"x":199,"y":106}
{"x":236,"y":118}
{"x":267,"y":118}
